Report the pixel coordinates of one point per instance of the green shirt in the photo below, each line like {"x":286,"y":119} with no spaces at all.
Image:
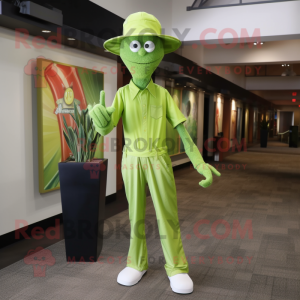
{"x":144,"y":114}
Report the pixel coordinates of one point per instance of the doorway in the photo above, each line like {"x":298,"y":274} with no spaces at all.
{"x":286,"y":119}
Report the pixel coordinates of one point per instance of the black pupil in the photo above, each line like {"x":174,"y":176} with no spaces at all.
{"x":135,"y":45}
{"x":147,"y":46}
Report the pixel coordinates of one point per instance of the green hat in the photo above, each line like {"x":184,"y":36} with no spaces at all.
{"x":140,"y":24}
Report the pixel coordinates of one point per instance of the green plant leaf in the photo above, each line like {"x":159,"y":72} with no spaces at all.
{"x":73,"y":142}
{"x":67,"y":139}
{"x":83,"y":138}
{"x":76,"y":115}
{"x":82,"y":118}
{"x":85,"y":111}
{"x":82,"y":143}
{"x":65,"y":122}
{"x":88,"y":123}
{"x":76,"y":132}
{"x":90,"y":138}
{"x":94,"y":145}
{"x":73,"y":118}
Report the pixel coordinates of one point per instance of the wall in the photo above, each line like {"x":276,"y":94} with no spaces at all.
{"x":273,"y":83}
{"x":173,"y":15}
{"x":20,"y":198}
{"x":160,"y":9}
{"x":229,"y":2}
{"x":267,"y":18}
{"x":192,"y":53}
{"x":234,"y":74}
{"x":276,"y":52}
{"x":198,"y":54}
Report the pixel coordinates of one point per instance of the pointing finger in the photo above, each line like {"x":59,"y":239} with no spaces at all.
{"x":102,"y":98}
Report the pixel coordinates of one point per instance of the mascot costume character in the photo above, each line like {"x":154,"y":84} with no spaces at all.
{"x":145,"y":108}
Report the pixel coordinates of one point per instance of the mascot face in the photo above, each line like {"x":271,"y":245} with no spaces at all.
{"x":142,"y":55}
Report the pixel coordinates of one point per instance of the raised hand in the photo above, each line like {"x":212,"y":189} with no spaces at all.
{"x":207,"y":170}
{"x":101,"y":114}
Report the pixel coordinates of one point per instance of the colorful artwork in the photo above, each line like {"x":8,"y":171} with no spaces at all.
{"x":172,"y":135}
{"x":59,"y":87}
{"x":189,"y":108}
{"x":218,"y":116}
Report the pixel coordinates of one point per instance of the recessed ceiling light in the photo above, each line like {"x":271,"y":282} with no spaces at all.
{"x":185,"y":86}
{"x":283,"y":65}
{"x":46,"y":31}
{"x":288,"y":65}
{"x":177,"y":83}
{"x":255,"y":44}
{"x":262,"y":43}
{"x":294,"y":100}
{"x":71,"y":39}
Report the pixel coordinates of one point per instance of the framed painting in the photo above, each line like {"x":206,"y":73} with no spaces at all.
{"x":59,"y":87}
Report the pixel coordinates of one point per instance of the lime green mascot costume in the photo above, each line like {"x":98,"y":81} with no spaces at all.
{"x":145,"y":108}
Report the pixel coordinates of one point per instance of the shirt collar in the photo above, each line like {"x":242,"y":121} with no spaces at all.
{"x":134,"y":89}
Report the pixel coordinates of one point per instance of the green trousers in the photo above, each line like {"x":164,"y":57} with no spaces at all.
{"x":153,"y":168}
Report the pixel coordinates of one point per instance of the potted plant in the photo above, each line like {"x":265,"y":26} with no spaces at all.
{"x":264,"y":130}
{"x":83,"y":190}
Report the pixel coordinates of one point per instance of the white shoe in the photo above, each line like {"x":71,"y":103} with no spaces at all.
{"x":181,"y":283}
{"x":130,"y":276}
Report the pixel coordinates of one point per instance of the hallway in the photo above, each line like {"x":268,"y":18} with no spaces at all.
{"x":261,"y":190}
{"x":275,"y":146}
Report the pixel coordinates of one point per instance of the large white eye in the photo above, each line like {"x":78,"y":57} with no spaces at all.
{"x":135,"y":46}
{"x":149,"y":46}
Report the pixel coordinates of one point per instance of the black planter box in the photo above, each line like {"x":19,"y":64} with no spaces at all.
{"x":263,"y":138}
{"x":83,"y":190}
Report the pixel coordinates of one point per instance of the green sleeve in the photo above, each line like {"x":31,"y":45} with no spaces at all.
{"x":190,"y":148}
{"x":174,"y":115}
{"x":119,"y":107}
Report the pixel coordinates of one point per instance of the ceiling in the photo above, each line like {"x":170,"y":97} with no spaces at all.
{"x":280,"y":97}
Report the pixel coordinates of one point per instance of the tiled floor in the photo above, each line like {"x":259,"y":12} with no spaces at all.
{"x":275,"y":146}
{"x":257,"y":191}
